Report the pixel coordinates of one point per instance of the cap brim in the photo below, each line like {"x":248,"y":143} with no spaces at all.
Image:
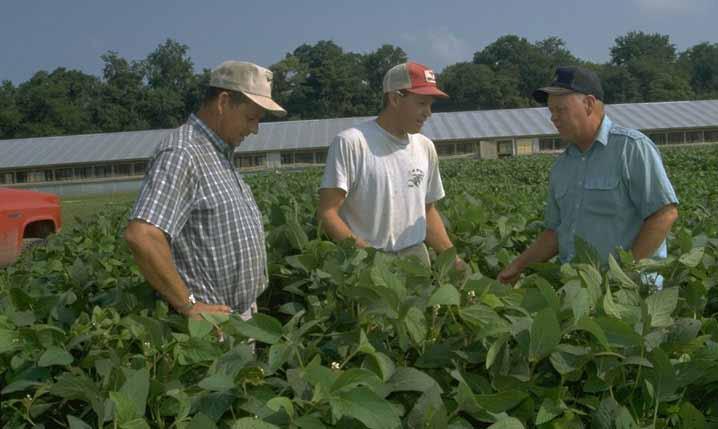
{"x":541,"y":94}
{"x":267,"y":104}
{"x":428,"y":90}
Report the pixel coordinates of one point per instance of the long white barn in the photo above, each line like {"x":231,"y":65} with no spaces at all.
{"x":117,"y":161}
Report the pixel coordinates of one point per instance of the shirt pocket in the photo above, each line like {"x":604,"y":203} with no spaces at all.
{"x":602,"y":195}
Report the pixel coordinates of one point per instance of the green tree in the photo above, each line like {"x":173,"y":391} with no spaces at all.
{"x":639,"y":45}
{"x":322,"y":81}
{"x":476,"y":86}
{"x":168,"y":72}
{"x":619,"y":85}
{"x":10,"y":116}
{"x":122,"y":95}
{"x":647,"y":62}
{"x":379,"y":62}
{"x":701,"y":63}
{"x":58,"y":103}
{"x":530,"y":65}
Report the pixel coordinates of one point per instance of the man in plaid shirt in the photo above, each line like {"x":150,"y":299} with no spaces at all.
{"x":195,"y":231}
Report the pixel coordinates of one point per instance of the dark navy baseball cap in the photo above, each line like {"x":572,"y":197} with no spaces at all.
{"x":568,"y":80}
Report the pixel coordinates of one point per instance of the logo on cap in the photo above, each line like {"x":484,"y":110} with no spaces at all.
{"x":429,"y":76}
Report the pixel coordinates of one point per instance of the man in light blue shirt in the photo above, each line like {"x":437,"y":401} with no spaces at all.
{"x":609,"y":187}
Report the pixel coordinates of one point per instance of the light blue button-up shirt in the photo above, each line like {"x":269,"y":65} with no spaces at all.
{"x":604,"y":194}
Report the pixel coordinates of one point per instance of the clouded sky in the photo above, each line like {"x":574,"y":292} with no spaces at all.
{"x":45,"y":34}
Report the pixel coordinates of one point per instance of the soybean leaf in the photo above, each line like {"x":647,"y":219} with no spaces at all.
{"x":429,"y":411}
{"x":261,"y":327}
{"x":137,"y":388}
{"x":76,"y":423}
{"x":691,"y":417}
{"x":354,"y":377}
{"x":415,"y":323}
{"x":692,"y":258}
{"x":445,"y":295}
{"x":278,"y":402}
{"x":550,"y":409}
{"x":217,"y":383}
{"x":125,"y":409}
{"x":501,"y":401}
{"x":661,"y":305}
{"x":411,"y":380}
{"x":545,"y":335}
{"x":365,"y":406}
{"x":507,"y":423}
{"x":199,"y":328}
{"x":250,"y":423}
{"x":615,"y":272}
{"x":55,"y":356}
{"x":201,"y":421}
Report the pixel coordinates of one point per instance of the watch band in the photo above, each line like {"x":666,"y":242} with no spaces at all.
{"x":187,"y":307}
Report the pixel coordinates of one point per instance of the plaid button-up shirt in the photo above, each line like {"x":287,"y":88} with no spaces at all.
{"x":193,"y":192}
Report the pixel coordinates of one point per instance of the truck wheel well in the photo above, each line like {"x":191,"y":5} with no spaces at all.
{"x":39,"y":229}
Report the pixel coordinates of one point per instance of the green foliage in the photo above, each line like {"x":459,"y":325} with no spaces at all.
{"x":325,"y":81}
{"x":359,"y":339}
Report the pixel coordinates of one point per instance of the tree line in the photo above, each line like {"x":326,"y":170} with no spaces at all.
{"x":325,"y":81}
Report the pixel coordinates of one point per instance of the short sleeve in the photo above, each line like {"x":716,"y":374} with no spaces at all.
{"x":648,"y":185}
{"x":339,"y":167}
{"x":434,"y":185}
{"x":551,"y":214}
{"x":168,"y":191}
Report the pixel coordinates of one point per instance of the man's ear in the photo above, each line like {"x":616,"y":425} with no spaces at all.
{"x":223,"y":100}
{"x":394,"y":98}
{"x":590,"y":101}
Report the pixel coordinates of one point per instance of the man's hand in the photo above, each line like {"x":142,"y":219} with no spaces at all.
{"x":510,"y":274}
{"x":201,"y":307}
{"x":460,"y":265}
{"x":543,"y":248}
{"x":360,"y":244}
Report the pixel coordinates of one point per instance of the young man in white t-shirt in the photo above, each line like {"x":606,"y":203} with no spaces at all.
{"x":381,"y":179}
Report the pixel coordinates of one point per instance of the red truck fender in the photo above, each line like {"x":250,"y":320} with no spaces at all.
{"x":25,"y":214}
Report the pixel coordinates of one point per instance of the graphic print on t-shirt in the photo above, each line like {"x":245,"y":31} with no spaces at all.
{"x":416,"y":176}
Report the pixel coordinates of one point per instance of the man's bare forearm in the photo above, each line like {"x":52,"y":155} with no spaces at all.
{"x":436,"y":236}
{"x":542,"y":249}
{"x":335,"y":227}
{"x":154,"y":259}
{"x":653,"y":232}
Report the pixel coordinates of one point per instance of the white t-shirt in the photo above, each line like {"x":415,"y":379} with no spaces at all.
{"x":388,"y":182}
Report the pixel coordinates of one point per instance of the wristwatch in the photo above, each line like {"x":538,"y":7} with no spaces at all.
{"x":187,"y":307}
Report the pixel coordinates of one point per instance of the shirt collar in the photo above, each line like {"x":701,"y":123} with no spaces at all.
{"x":601,"y":136}
{"x":217,"y":142}
{"x":606,"y":125}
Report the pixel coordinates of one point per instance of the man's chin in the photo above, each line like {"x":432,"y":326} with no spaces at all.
{"x":415,"y":129}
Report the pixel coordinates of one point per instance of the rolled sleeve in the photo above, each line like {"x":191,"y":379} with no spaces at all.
{"x":167,"y":192}
{"x":649,"y":186}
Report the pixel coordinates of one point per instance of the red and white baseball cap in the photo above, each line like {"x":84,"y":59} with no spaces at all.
{"x":412,"y":77}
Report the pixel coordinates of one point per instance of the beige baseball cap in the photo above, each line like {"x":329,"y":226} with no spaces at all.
{"x":250,"y":79}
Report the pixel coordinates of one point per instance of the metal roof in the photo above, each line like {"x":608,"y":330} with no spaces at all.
{"x":314,"y":134}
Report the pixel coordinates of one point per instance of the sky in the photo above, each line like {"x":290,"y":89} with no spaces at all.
{"x":46,"y":34}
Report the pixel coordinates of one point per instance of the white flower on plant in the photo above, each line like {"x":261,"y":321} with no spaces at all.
{"x":336,"y":366}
